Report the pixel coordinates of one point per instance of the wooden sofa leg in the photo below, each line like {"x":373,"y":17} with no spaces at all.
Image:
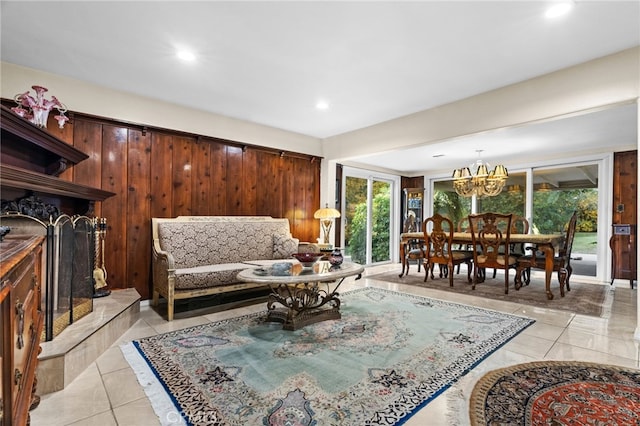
{"x":170,"y":300}
{"x":170,"y":308}
{"x":156,"y":298}
{"x":169,"y":311}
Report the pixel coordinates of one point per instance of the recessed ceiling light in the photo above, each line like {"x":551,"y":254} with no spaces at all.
{"x":559,"y":9}
{"x":185,"y":55}
{"x":322,"y":105}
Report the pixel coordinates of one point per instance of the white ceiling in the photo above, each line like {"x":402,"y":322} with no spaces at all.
{"x":270,"y":62}
{"x":575,"y":136}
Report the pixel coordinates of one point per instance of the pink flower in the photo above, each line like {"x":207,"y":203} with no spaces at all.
{"x":20,"y":111}
{"x":25,"y":100}
{"x":61,"y":119}
{"x":57,"y":103}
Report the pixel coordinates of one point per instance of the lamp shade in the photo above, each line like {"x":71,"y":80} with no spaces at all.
{"x":463,"y":173}
{"x":500,"y":172}
{"x":482,"y":171}
{"x":326,"y":213}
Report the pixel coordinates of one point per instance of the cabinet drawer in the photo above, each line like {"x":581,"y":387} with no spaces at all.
{"x":25,"y":312}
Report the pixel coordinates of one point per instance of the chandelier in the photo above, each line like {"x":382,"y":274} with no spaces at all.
{"x":483,"y":183}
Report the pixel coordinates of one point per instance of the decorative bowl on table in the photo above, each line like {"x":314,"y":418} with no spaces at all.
{"x":307,"y":259}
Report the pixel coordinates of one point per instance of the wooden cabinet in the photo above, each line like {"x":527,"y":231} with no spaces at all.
{"x":623,"y":240}
{"x":413,"y":209}
{"x":21,"y":322}
{"x":623,"y":245}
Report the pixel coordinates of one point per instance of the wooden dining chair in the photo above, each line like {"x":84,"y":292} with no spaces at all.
{"x":414,"y":249}
{"x":463,"y":226}
{"x":490,"y":235}
{"x":561,"y":262}
{"x":438,"y":237}
{"x":519,"y":225}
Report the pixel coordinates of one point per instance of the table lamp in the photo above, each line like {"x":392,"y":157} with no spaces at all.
{"x":326,"y":216}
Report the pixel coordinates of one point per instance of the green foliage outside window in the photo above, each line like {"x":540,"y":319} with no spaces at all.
{"x":381,"y":226}
{"x":551,"y":211}
{"x":451,"y":205}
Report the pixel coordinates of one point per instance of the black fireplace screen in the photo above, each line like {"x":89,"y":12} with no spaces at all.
{"x":68,"y":262}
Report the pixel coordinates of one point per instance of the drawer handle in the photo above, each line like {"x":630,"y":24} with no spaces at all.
{"x":20,"y":315}
{"x":17,"y":378}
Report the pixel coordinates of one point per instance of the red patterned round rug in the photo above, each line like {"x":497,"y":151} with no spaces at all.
{"x":557,"y":393}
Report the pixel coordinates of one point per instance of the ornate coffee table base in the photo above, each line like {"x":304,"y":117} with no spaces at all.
{"x":302,"y":319}
{"x":304,"y":303}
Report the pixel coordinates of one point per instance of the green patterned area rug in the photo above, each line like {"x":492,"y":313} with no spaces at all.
{"x":389,"y":355}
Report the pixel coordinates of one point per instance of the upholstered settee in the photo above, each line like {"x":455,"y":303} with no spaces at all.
{"x":201,"y":255}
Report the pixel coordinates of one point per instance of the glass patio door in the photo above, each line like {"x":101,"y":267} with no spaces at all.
{"x":367,"y":218}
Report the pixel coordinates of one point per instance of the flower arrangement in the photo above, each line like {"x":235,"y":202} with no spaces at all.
{"x":37,"y":109}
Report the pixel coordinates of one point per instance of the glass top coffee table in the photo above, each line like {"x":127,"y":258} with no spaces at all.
{"x":302,"y":296}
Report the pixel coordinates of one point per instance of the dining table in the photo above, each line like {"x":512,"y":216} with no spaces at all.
{"x":546,"y":243}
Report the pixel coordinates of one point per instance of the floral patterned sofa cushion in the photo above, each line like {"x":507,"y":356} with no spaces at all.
{"x":208,"y":276}
{"x":199,"y":243}
{"x":284,"y":246}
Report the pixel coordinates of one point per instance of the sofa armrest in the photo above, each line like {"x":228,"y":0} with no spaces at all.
{"x":163,"y":266}
{"x":160,"y":255}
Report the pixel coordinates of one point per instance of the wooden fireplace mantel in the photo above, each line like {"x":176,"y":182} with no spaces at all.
{"x":31,"y":161}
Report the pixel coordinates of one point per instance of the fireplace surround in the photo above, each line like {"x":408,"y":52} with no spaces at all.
{"x":36,"y":201}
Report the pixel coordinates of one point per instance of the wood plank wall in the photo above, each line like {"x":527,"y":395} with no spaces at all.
{"x":162,"y":173}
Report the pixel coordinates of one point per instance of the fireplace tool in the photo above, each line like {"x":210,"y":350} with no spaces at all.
{"x":100,"y":272}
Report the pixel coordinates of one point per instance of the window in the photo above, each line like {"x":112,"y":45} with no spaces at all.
{"x":556,"y":191}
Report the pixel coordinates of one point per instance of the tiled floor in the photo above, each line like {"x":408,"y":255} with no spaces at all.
{"x":107,"y":392}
